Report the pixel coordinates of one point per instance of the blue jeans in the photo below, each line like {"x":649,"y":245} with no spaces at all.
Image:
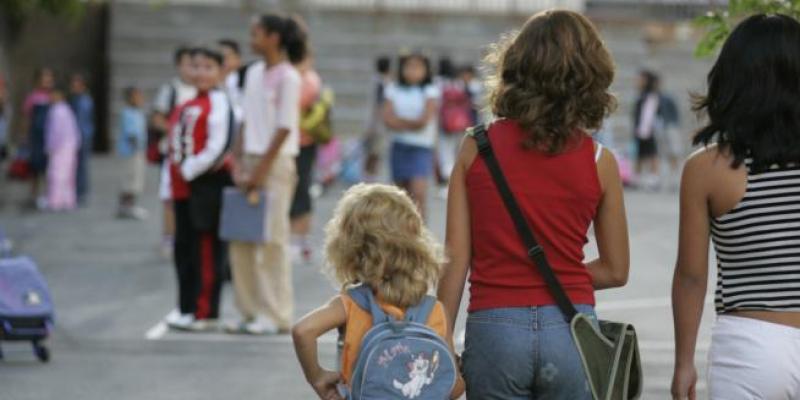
{"x":523,"y":353}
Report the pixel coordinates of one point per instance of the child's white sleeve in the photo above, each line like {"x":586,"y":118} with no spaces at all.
{"x":218,"y":138}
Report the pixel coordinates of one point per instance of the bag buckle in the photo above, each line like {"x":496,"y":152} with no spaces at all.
{"x":535,"y":251}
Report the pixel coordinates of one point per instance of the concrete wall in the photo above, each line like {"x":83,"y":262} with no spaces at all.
{"x":346,"y":43}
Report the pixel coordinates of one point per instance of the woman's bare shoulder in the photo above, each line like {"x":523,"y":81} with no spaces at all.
{"x":709,"y":158}
{"x":710,"y":170}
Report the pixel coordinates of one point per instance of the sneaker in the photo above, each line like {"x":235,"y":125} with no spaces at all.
{"x":203,"y":325}
{"x":138,"y":213}
{"x":235,"y":327}
{"x":316,"y":190}
{"x":183,"y":323}
{"x":258,"y":326}
{"x":172,"y":317}
{"x":261,"y":326}
{"x":134,"y":212}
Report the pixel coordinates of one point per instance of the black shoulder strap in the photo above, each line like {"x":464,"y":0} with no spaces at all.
{"x":231,"y":122}
{"x":242,"y":75}
{"x":535,"y":251}
{"x":173,"y":98}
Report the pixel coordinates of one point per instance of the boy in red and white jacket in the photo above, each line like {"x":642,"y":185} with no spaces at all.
{"x":200,"y":136}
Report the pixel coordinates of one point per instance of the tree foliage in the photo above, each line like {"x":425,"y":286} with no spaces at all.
{"x":719,"y":23}
{"x":13,"y":13}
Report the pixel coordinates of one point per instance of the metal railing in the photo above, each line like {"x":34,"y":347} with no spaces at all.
{"x":446,"y":6}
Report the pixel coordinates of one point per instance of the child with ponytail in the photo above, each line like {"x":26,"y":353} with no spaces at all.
{"x":264,"y":156}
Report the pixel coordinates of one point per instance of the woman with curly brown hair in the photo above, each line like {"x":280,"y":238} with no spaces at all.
{"x":549,"y":89}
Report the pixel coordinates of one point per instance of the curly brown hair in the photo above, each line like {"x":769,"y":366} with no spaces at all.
{"x":552,"y":78}
{"x":378,"y":238}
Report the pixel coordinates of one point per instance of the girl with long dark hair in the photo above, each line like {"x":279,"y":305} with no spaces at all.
{"x":742,"y":190}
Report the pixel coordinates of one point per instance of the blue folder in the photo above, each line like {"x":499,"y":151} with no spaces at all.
{"x":243,"y":220}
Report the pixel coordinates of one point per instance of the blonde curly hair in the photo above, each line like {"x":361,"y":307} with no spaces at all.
{"x":378,"y":238}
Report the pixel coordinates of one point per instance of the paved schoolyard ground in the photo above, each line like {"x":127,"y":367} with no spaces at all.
{"x":111,"y":289}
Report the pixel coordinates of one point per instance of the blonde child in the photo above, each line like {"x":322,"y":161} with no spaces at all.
{"x":376,"y":238}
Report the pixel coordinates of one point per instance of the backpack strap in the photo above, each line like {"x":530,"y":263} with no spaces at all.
{"x":173,"y":98}
{"x":363,"y":297}
{"x":241,"y":75}
{"x":422,"y":311}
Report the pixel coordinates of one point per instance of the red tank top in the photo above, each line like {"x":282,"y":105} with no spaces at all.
{"x":558,"y":194}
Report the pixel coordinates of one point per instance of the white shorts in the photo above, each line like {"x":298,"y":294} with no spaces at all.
{"x":753,"y":359}
{"x":164,"y":184}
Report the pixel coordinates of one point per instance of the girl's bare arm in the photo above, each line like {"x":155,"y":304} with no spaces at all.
{"x":458,"y":237}
{"x":610,"y":228}
{"x":691,"y":272}
{"x":305,"y":333}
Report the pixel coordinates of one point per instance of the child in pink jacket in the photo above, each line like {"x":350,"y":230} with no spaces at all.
{"x":62,"y":142}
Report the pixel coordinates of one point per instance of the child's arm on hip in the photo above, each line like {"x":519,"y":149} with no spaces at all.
{"x":305,"y":333}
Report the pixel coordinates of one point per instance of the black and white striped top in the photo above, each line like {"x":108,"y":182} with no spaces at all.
{"x":758,"y":245}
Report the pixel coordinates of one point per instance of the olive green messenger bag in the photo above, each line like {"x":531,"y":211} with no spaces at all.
{"x":610,"y":353}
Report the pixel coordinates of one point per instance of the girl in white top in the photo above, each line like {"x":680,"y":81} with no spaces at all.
{"x":264,"y":154}
{"x":409,"y":113}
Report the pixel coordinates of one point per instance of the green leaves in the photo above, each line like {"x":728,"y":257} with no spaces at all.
{"x":718,"y":23}
{"x":15,"y":12}
{"x":717,"y":28}
{"x":23,"y":8}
